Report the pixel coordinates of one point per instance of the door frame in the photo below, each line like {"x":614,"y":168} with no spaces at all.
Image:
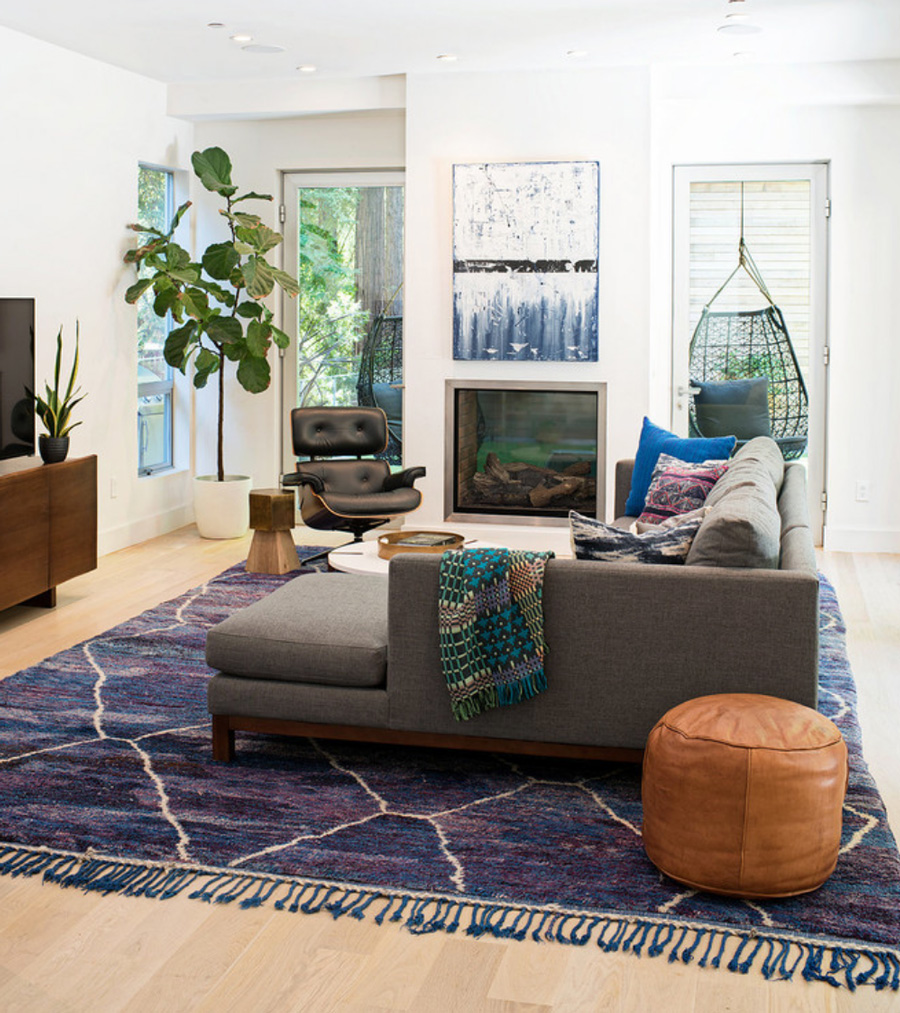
{"x":817,"y":172}
{"x":293,"y":181}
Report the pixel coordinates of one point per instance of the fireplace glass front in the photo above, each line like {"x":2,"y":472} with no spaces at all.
{"x":526,"y":451}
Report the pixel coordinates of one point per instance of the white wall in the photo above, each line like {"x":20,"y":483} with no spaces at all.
{"x":260,"y":150}
{"x":73,"y":133}
{"x":637,"y":124}
{"x":70,"y":180}
{"x":579,"y":115}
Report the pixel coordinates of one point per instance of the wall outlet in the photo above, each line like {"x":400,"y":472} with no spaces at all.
{"x":113,"y":488}
{"x":862,"y":492}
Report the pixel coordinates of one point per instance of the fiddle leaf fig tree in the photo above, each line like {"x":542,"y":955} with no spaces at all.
{"x":216,"y":303}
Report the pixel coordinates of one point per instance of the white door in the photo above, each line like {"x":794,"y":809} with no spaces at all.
{"x":343,"y":241}
{"x":781,"y":211}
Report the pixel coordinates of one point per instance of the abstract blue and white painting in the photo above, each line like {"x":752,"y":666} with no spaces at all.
{"x":526,"y":239}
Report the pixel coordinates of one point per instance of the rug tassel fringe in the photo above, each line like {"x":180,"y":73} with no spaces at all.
{"x":776,"y":957}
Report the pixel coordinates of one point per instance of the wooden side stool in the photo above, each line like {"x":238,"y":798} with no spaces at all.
{"x":272,"y":517}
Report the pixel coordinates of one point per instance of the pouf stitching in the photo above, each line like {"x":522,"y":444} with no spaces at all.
{"x":736,"y":745}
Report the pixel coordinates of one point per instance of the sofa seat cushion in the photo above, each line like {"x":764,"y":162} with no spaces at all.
{"x":318,"y":628}
{"x":743,"y":526}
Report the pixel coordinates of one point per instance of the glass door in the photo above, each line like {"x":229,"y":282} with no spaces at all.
{"x":344,"y":242}
{"x":749,"y":307}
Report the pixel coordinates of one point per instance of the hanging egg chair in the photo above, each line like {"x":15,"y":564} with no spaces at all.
{"x":745,"y":378}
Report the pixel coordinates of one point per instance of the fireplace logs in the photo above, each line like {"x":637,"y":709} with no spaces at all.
{"x":522,"y":485}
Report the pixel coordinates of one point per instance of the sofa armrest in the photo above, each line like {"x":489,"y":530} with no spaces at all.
{"x":624,"y":470}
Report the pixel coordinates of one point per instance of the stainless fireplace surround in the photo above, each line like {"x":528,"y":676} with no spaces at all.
{"x":564,"y":434}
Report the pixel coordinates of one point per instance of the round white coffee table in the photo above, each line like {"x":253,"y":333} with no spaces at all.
{"x":362,"y":557}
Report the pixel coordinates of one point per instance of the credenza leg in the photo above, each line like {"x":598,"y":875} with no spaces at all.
{"x":46,"y":599}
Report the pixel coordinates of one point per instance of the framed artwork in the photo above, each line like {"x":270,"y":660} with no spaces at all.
{"x":526,"y":238}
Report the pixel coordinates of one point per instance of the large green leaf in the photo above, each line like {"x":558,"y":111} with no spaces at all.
{"x":177,"y":256}
{"x":242,"y":219}
{"x":250,"y":310}
{"x":166,"y":300}
{"x":224,"y":330}
{"x":261,"y":238}
{"x":178,"y":342}
{"x":196,"y":303}
{"x":189,"y":275}
{"x":253,"y":374}
{"x":205,"y":365}
{"x":258,"y":338}
{"x":213,"y":168}
{"x":144,"y":229}
{"x":220,"y":260}
{"x":176,"y":218}
{"x":280,"y":338}
{"x":258,"y":277}
{"x":235,"y":351}
{"x":287,"y":281}
{"x":252,"y":195}
{"x":135,"y":291}
{"x":223,"y":295}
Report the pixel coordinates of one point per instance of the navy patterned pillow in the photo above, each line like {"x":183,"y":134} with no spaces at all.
{"x":678,"y":487}
{"x":592,"y":539}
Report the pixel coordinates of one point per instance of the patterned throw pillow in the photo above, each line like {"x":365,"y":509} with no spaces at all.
{"x":678,"y":487}
{"x":592,"y":539}
{"x":642,"y":527}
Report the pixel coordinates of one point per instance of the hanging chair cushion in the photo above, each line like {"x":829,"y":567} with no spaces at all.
{"x":738,"y":408}
{"x":655,"y":441}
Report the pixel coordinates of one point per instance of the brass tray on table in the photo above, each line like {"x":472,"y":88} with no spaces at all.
{"x":417,"y":541}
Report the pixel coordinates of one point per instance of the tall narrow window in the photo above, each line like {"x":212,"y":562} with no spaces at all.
{"x":156,"y":205}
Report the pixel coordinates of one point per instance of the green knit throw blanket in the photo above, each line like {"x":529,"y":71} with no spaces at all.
{"x":491,"y":625}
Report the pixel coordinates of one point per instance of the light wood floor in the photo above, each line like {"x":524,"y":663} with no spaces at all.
{"x":62,"y":951}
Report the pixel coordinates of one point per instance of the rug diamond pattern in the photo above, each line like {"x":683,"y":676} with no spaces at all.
{"x":104,"y":750}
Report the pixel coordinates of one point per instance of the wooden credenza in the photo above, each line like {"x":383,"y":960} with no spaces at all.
{"x":48,"y":526}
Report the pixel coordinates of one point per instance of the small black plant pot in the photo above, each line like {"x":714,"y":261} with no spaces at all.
{"x":53,"y":448}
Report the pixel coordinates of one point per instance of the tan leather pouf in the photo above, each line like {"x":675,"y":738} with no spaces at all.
{"x":743,"y":795}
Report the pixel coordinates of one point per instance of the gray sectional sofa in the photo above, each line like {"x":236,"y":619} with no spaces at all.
{"x":344,"y":656}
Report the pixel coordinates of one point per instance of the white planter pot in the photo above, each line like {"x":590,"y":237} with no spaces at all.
{"x":222,"y":509}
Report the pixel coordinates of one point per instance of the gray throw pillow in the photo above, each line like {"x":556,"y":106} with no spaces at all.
{"x":592,"y":539}
{"x":737,"y":408}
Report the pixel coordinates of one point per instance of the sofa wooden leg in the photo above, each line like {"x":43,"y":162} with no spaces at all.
{"x":222,"y":739}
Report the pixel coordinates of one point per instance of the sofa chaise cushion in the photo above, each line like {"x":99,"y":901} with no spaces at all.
{"x":318,"y":628}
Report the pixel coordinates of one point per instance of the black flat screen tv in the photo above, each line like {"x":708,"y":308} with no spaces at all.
{"x":16,"y":373}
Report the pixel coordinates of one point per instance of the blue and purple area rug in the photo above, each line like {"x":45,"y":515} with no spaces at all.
{"x":107,"y":783}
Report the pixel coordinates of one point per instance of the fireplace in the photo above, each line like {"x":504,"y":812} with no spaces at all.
{"x":524,"y":452}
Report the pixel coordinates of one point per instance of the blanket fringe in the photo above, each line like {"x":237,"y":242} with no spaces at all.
{"x":777,"y":957}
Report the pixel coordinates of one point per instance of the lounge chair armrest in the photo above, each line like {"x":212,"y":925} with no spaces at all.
{"x":403,"y":478}
{"x":303,"y":478}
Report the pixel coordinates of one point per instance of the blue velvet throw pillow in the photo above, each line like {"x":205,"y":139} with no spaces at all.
{"x":655,"y":441}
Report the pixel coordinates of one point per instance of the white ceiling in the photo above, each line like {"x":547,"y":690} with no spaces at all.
{"x":169,"y":39}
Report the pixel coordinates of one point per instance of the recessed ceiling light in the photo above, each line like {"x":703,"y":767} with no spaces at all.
{"x":306,"y":68}
{"x":216,"y":24}
{"x":241,"y":38}
{"x":258,"y":47}
{"x":576,"y":54}
{"x":447,"y":57}
{"x":742,"y":54}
